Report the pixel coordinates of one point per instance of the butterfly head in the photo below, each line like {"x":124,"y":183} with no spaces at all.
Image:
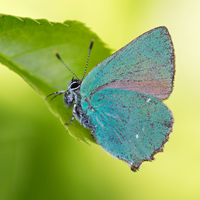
{"x":73,"y":86}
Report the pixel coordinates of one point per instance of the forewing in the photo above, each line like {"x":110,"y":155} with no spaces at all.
{"x":144,"y":65}
{"x":131,"y":126}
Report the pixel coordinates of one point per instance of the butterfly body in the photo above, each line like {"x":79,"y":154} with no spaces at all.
{"x":120,"y":99}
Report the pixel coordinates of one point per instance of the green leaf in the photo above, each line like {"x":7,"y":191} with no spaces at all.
{"x":27,"y":47}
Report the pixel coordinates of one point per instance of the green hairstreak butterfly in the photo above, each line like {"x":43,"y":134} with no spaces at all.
{"x":120,"y":100}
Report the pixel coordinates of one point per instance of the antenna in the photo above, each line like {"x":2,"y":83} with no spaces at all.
{"x":90,"y":48}
{"x":59,"y":58}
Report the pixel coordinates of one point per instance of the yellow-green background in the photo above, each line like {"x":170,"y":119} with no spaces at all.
{"x":40,"y":160}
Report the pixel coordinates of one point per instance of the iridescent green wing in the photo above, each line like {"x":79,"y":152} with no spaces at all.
{"x":131,"y":126}
{"x":144,"y":65}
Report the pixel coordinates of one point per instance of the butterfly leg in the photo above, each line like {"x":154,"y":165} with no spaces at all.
{"x":56,"y":94}
{"x":92,"y":131}
{"x":82,"y":117}
{"x":74,"y":113}
{"x":86,"y":122}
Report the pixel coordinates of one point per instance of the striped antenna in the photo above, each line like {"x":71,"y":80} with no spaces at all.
{"x":59,"y":58}
{"x":90,"y":48}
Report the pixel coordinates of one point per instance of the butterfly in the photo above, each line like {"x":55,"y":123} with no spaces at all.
{"x":120,"y":100}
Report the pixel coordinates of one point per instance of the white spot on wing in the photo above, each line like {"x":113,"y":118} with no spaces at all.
{"x":136,"y":136}
{"x":149,"y":99}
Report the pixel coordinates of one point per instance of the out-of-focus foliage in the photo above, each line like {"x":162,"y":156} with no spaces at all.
{"x":27,"y":46}
{"x":40,"y":160}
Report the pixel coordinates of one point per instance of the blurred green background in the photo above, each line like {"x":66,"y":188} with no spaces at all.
{"x":40,"y":160}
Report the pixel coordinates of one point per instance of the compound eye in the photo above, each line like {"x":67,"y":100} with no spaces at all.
{"x":74,"y":85}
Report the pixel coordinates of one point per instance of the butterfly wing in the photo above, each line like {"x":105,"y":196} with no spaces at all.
{"x":131,"y":126}
{"x":144,"y":65}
